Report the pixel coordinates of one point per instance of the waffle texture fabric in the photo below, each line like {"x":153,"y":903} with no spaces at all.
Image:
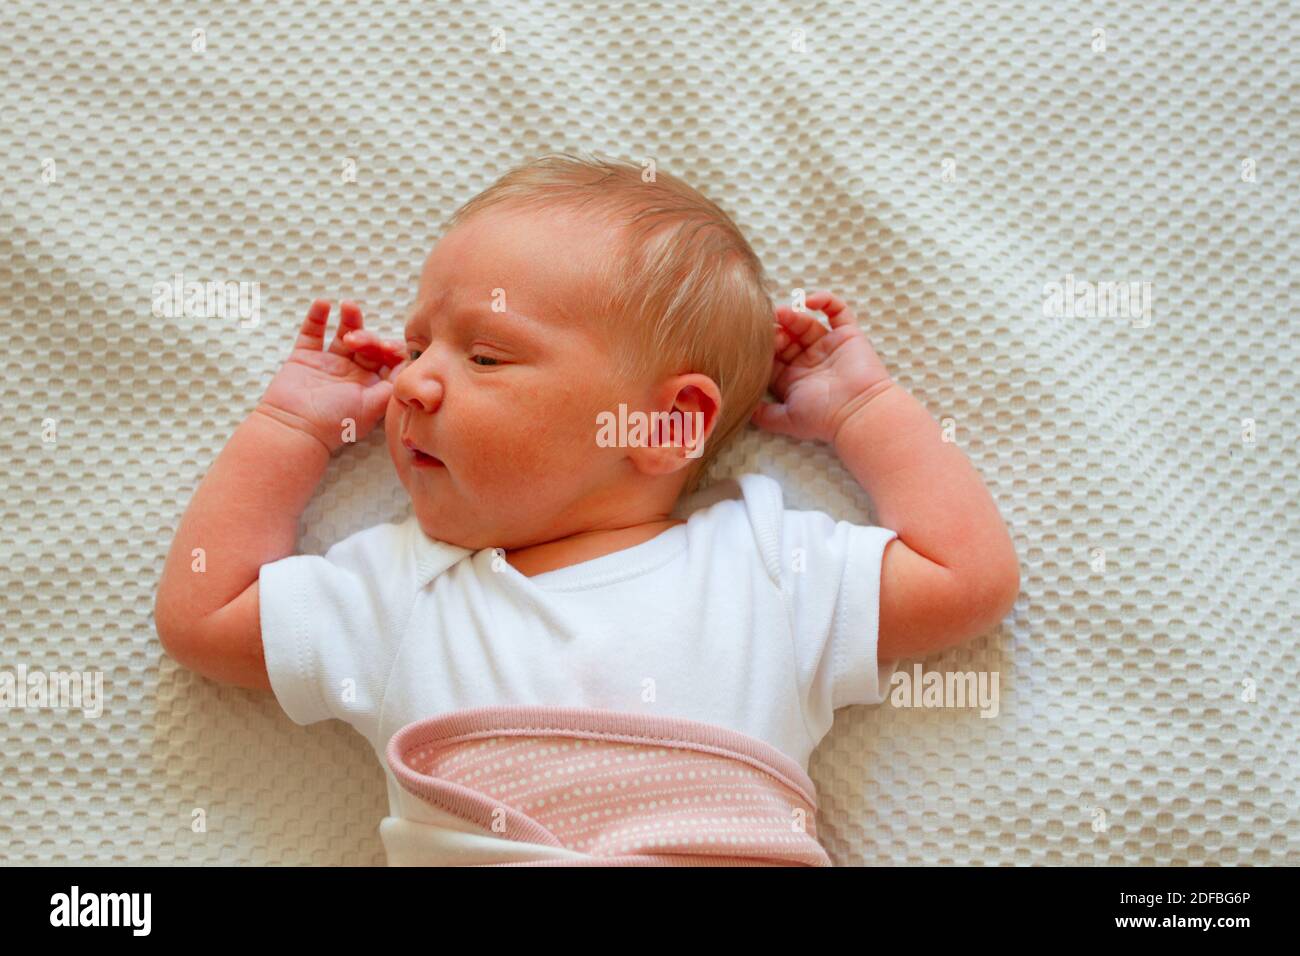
{"x":949,"y":168}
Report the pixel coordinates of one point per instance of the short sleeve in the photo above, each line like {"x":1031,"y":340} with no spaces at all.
{"x":831,"y":571}
{"x":331,"y":625}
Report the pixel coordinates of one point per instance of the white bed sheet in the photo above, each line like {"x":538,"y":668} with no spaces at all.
{"x":936,"y":164}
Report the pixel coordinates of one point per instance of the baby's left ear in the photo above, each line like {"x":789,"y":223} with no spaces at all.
{"x":684,"y":413}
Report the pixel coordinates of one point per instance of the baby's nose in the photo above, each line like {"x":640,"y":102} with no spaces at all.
{"x":417,"y":388}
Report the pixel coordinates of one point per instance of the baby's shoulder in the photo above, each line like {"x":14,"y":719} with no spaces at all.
{"x":746,"y":509}
{"x":396,"y":553}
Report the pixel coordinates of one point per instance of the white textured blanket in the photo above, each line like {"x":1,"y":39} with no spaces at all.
{"x":958,"y":173}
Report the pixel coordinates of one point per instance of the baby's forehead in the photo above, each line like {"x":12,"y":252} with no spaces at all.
{"x":553,"y":265}
{"x":461,"y":304}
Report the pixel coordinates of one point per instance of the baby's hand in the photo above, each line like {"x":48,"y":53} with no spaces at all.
{"x":821,"y":376}
{"x":317,"y":391}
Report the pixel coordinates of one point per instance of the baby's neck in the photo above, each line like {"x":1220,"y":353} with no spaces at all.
{"x":553,"y":555}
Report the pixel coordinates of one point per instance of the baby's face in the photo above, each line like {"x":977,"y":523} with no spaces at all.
{"x":506,"y":401}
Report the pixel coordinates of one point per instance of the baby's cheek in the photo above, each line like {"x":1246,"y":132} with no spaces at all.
{"x":393,"y":415}
{"x":517,"y":465}
{"x":560,"y":441}
{"x":393,"y":430}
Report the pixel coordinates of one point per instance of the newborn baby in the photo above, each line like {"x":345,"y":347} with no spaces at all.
{"x":553,"y":597}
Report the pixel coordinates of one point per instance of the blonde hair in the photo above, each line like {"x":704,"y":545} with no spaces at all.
{"x":681,"y":290}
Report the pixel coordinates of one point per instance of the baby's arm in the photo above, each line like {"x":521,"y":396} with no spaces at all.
{"x":245,"y":511}
{"x":951,"y":574}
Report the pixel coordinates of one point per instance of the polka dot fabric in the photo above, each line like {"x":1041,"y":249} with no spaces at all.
{"x":949,"y":168}
{"x":618,"y":800}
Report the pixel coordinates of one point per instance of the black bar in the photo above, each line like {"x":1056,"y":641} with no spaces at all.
{"x":333,"y":905}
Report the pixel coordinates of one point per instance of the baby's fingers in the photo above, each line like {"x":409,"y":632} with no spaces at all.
{"x":371,"y":352}
{"x":312,"y":333}
{"x":349,"y":321}
{"x":774,"y":417}
{"x":796,"y":331}
{"x":837,"y":311}
{"x":779,"y":368}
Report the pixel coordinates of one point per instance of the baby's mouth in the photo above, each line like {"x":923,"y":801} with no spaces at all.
{"x":421,"y":460}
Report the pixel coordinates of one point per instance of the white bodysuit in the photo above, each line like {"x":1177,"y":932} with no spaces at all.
{"x":749,"y":616}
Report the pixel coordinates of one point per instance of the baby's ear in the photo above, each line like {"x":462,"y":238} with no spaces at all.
{"x":682,"y":416}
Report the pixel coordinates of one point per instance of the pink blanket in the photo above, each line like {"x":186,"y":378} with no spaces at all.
{"x":620,"y":789}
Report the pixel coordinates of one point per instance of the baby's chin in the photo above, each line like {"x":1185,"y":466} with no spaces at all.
{"x":463,"y":531}
{"x":438,"y":528}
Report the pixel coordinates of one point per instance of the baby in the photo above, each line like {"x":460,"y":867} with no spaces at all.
{"x":567,"y":654}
